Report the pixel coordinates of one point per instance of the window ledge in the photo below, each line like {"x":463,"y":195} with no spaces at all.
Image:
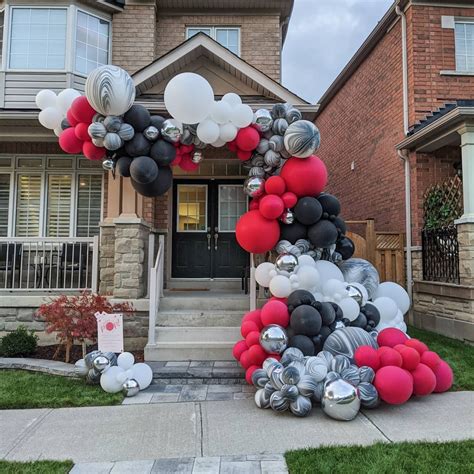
{"x":456,"y":73}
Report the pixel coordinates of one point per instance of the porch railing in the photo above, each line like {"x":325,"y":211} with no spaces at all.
{"x":49,"y":263}
{"x":155,"y":288}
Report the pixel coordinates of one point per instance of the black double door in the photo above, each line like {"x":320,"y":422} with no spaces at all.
{"x":204,"y":216}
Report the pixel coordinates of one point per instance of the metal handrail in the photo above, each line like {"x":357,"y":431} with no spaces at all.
{"x":156,"y":289}
{"x":253,"y":284}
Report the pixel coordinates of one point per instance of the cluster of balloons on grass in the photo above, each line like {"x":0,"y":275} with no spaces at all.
{"x":114,"y":373}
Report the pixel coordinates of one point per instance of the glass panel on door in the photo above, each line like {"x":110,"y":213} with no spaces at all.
{"x":192,"y":208}
{"x":232,"y":204}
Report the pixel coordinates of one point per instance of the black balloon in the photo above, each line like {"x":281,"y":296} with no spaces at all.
{"x":324,"y":332}
{"x":328,"y":313}
{"x":322,"y":234}
{"x":123,"y":166}
{"x":138,"y":146}
{"x":143,"y":170}
{"x":371,"y":313}
{"x":340,"y":224}
{"x":65,"y":124}
{"x":345,"y":247}
{"x":157,"y":187}
{"x":163,"y":152}
{"x":318,"y":342}
{"x":293,"y":232}
{"x":299,"y":297}
{"x":138,"y":117}
{"x":338,"y":310}
{"x":306,"y":320}
{"x":360,"y":321}
{"x":330,"y":204}
{"x":308,"y":210}
{"x":303,"y":343}
{"x":157,"y":121}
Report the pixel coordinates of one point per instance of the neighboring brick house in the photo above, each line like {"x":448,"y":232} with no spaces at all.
{"x":370,"y":121}
{"x":63,"y":205}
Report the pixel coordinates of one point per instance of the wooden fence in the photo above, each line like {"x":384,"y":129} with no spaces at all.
{"x":385,"y":250}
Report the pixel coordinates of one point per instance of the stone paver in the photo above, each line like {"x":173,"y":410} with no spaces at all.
{"x":209,"y":465}
{"x":53,"y":367}
{"x":180,"y":465}
{"x":135,"y":467}
{"x":164,"y":397}
{"x":193,"y":393}
{"x":92,"y":468}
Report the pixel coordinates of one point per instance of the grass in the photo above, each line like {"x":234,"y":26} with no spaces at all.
{"x":458,"y":354}
{"x":420,"y":458}
{"x":35,"y":467}
{"x":22,"y":389}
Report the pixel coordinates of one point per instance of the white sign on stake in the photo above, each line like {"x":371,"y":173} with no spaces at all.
{"x":109,"y":332}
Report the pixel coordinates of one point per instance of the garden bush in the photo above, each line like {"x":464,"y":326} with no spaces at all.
{"x":18,"y":343}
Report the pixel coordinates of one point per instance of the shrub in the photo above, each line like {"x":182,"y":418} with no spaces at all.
{"x":18,"y":343}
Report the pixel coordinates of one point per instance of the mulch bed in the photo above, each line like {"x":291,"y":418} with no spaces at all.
{"x":47,"y":352}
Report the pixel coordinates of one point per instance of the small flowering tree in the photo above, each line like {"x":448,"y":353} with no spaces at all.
{"x":72,"y":318}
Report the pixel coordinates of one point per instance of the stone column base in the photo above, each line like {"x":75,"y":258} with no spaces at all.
{"x":466,"y":252}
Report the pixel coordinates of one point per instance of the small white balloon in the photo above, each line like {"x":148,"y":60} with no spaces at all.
{"x":387,"y":308}
{"x":328,"y":270}
{"x":208,"y":131}
{"x":306,"y":260}
{"x":396,"y":292}
{"x":333,"y":286}
{"x":125,"y":360}
{"x":403,"y":327}
{"x":318,"y":296}
{"x":280,"y":286}
{"x":143,"y":374}
{"x":66,"y":98}
{"x":50,"y":118}
{"x":121,"y":377}
{"x":232,"y":99}
{"x":398,"y":318}
{"x":350,"y":308}
{"x":218,"y":143}
{"x":46,"y":98}
{"x":241,"y":116}
{"x":262,"y":273}
{"x":221,"y":112}
{"x":109,"y":379}
{"x":294,"y":277}
{"x":308,"y":277}
{"x":58,"y":131}
{"x":273,"y":273}
{"x":227,"y":132}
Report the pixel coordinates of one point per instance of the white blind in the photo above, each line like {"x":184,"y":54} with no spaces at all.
{"x":89,"y":199}
{"x":28,"y":205}
{"x":59,"y":205}
{"x":464,"y":45}
{"x":4,"y":203}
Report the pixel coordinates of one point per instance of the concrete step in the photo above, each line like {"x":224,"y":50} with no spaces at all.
{"x":200,"y":318}
{"x":204,"y":301}
{"x":193,"y":343}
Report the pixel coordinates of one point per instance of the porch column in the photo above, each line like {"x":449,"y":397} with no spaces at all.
{"x":465,"y":225}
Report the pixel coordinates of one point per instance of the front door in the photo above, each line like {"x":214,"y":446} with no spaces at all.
{"x":204,"y":218}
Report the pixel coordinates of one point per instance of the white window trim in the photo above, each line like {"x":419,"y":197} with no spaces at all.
{"x":214,"y":30}
{"x":466,"y":72}
{"x":75,"y":171}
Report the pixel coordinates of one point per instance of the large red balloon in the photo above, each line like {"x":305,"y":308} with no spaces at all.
{"x":444,"y":377}
{"x":257,"y":355}
{"x":275,"y":185}
{"x":247,"y":139}
{"x":81,"y":110}
{"x":289,"y":199}
{"x":367,"y":355}
{"x":69,"y":142}
{"x":424,"y":380}
{"x":391,"y":337}
{"x":255,"y":234}
{"x":431,"y":359}
{"x":391,"y":357}
{"x":245,"y":360}
{"x":254,"y":316}
{"x":416,"y":344}
{"x":243,"y":155}
{"x":275,"y":312}
{"x":271,"y":206}
{"x":410,"y":358}
{"x":304,"y":176}
{"x":395,"y":385}
{"x":248,"y":326}
{"x":93,"y":152}
{"x":253,"y":337}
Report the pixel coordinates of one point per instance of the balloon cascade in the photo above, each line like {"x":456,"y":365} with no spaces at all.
{"x":114,"y":373}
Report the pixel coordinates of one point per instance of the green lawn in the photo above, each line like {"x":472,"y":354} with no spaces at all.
{"x":35,"y":467}
{"x":22,"y":389}
{"x":383,"y":458}
{"x":459,"y":355}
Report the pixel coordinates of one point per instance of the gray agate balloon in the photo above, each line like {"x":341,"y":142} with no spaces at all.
{"x":345,"y":341}
{"x":366,"y":374}
{"x":108,"y":164}
{"x":256,"y":171}
{"x":272,"y":158}
{"x":302,"y":139}
{"x":278,"y":402}
{"x":286,"y":262}
{"x":112,"y":123}
{"x":292,"y":115}
{"x":290,"y":392}
{"x":110,"y":90}
{"x":340,"y":400}
{"x":339,"y":363}
{"x":301,"y":406}
{"x":317,"y":368}
{"x":361,"y":271}
{"x":279,"y":111}
{"x":351,"y":375}
{"x":276,"y":143}
{"x":126,"y":132}
{"x":93,"y":377}
{"x":290,"y":355}
{"x":112,"y":141}
{"x":280,"y":126}
{"x":259,"y":378}
{"x":187,"y":137}
{"x":369,"y":397}
{"x":262,"y":399}
{"x":130,"y":388}
{"x":263,"y":146}
{"x":290,"y":375}
{"x":254,"y":186}
{"x":307,"y":385}
{"x":97,"y":130}
{"x":273,"y":339}
{"x":262,"y":120}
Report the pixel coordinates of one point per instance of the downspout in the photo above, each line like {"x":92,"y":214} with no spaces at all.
{"x":403,"y":154}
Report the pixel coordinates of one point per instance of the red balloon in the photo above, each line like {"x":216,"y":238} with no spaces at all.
{"x":275,"y":185}
{"x":245,"y":360}
{"x":186,"y":149}
{"x":248,"y":326}
{"x":395,"y":385}
{"x":424,"y":380}
{"x":253,"y":337}
{"x":243,"y":155}
{"x":289,"y":200}
{"x":255,"y":234}
{"x":275,"y":312}
{"x":69,"y":142}
{"x":257,"y":355}
{"x":254,"y":316}
{"x":253,"y":205}
{"x":444,"y":377}
{"x":271,"y":206}
{"x":247,"y":139}
{"x":81,"y":132}
{"x":92,"y":152}
{"x":81,"y":110}
{"x":177,"y":160}
{"x":239,"y":348}
{"x":304,"y":176}
{"x":431,"y":359}
{"x":186,"y":164}
{"x":391,"y":337}
{"x":249,"y":372}
{"x":400,"y":347}
{"x":410,"y":358}
{"x":70,"y":118}
{"x":367,"y":355}
{"x":232,"y":146}
{"x":390,"y":357}
{"x":416,"y":344}
{"x":382,"y":350}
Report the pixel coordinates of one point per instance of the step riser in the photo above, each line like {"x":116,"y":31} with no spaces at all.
{"x":203,"y":304}
{"x":201,"y":353}
{"x":197,"y":336}
{"x":199,"y":319}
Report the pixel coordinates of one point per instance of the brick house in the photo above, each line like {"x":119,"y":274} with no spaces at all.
{"x":66,"y":225}
{"x":396,"y":121}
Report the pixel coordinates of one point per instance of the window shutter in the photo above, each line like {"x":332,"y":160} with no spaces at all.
{"x":59,"y":205}
{"x":89,"y":202}
{"x":28,"y":205}
{"x":4,"y":203}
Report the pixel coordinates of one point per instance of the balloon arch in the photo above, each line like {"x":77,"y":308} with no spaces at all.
{"x":330,"y":333}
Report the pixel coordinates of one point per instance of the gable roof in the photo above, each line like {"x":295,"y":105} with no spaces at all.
{"x":190,"y":54}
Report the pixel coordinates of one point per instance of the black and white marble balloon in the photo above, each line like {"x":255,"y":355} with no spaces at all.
{"x":358,"y":270}
{"x":302,"y":139}
{"x":345,"y":341}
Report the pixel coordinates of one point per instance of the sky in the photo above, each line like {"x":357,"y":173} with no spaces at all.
{"x":322,"y":37}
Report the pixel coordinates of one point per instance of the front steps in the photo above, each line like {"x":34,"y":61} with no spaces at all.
{"x":201,"y":326}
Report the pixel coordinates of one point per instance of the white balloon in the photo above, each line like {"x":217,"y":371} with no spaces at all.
{"x":333,"y":286}
{"x":387,"y":308}
{"x":308,"y":277}
{"x":66,"y":98}
{"x":403,"y":327}
{"x":350,"y":308}
{"x":280,"y":286}
{"x":109,"y":379}
{"x":58,"y":131}
{"x":398,"y":318}
{"x":241,"y":116}
{"x":208,"y":131}
{"x":318,"y":296}
{"x":232,"y":99}
{"x":121,"y":377}
{"x":46,"y":98}
{"x":306,"y":260}
{"x":129,"y":372}
{"x":143,"y":374}
{"x":396,"y":292}
{"x":228,"y":132}
{"x":125,"y":360}
{"x":262,"y":274}
{"x":328,"y":270}
{"x":218,"y":143}
{"x":189,"y":98}
{"x":221,"y":112}
{"x":50,"y":118}
{"x":293,"y":277}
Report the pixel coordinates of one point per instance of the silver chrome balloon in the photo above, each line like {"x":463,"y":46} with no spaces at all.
{"x":108,"y":164}
{"x":197,"y":157}
{"x":254,"y":186}
{"x":171,"y":130}
{"x":130,"y":388}
{"x":287,"y":217}
{"x":101,"y":363}
{"x":262,"y":120}
{"x":151,"y":133}
{"x":80,"y":368}
{"x":340,"y":400}
{"x":89,"y":358}
{"x":286,"y":262}
{"x":355,"y":294}
{"x":273,"y":339}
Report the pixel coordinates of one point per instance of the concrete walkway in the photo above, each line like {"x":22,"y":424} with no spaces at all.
{"x":212,"y":429}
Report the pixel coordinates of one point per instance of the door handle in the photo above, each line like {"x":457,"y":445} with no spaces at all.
{"x":208,"y":241}
{"x":216,"y":238}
